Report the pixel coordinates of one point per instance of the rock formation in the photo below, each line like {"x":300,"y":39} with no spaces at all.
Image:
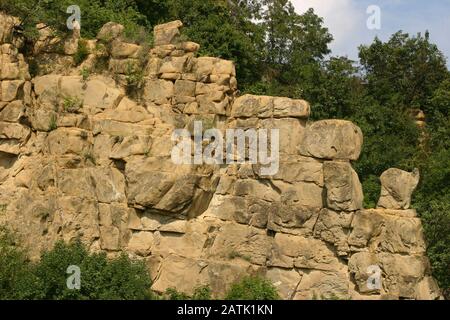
{"x":82,"y":157}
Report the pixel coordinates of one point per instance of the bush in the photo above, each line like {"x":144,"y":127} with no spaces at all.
{"x":82,"y":53}
{"x":13,"y":266}
{"x":116,"y":279}
{"x":135,"y":77}
{"x":435,"y":215}
{"x":101,"y":278}
{"x":252,"y":288}
{"x":200,"y":293}
{"x":72,"y":104}
{"x":174,"y":294}
{"x":53,"y":123}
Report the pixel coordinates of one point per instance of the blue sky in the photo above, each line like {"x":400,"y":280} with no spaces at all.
{"x":346,"y":20}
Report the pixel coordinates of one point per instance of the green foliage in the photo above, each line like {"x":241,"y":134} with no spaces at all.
{"x":94,"y":14}
{"x":82,"y":52}
{"x":101,"y":64}
{"x":53,"y":122}
{"x":174,"y":294}
{"x":72,"y":104}
{"x":13,"y":264}
{"x":404,"y":71}
{"x":252,"y":288}
{"x":135,"y":78}
{"x":85,"y":73}
{"x":101,"y":278}
{"x":33,"y":67}
{"x":200,"y":293}
{"x":435,"y":214}
{"x":139,"y":35}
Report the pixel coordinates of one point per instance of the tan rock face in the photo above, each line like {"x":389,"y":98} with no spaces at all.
{"x":386,"y":232}
{"x":6,"y":27}
{"x":344,"y":191}
{"x":167,"y":33}
{"x":110,"y":31}
{"x":249,"y":106}
{"x":397,"y":187}
{"x":81,"y":159}
{"x":332,"y":139}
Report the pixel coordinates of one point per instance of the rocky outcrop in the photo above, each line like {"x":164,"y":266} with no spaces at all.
{"x":397,"y":187}
{"x":81,"y":157}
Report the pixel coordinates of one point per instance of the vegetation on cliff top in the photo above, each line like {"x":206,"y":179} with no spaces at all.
{"x":280,"y":52}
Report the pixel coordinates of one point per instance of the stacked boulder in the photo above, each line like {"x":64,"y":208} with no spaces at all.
{"x":15,"y":88}
{"x":79,"y":158}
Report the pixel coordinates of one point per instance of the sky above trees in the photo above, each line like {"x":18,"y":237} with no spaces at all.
{"x":346,"y":20}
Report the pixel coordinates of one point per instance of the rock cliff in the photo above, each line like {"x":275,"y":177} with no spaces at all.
{"x":85,"y":152}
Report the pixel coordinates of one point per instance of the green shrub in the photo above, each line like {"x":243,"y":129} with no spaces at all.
{"x":116,"y":279}
{"x":13,"y":265}
{"x":82,"y":52}
{"x":435,"y":215}
{"x":134,"y":78}
{"x":85,"y":73}
{"x":174,"y":294}
{"x":72,"y":104}
{"x":101,"y":278}
{"x":53,"y":125}
{"x":200,"y":293}
{"x":101,"y":64}
{"x":252,"y":288}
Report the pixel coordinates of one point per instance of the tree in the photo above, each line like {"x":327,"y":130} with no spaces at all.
{"x":94,"y":14}
{"x":403,"y":72}
{"x":295,"y":48}
{"x":338,"y":91}
{"x":294,"y":41}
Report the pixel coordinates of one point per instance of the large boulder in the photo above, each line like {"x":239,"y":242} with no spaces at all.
{"x":386,"y":231}
{"x":10,"y":89}
{"x":333,"y":227}
{"x":158,"y":91}
{"x":121,"y":50}
{"x":397,"y":187}
{"x":110,"y":31}
{"x":332,"y":139}
{"x":167,"y":33}
{"x":344,"y":191}
{"x":265,"y":106}
{"x":400,"y":276}
{"x":291,"y":251}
